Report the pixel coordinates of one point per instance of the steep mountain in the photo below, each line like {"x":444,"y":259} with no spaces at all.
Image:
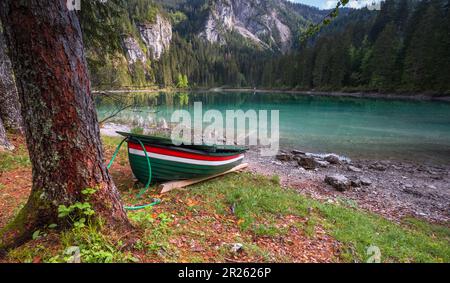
{"x":154,"y":31}
{"x":255,"y":43}
{"x":267,"y":24}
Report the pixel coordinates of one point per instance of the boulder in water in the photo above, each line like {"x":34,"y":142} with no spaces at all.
{"x":307,"y":162}
{"x":333,"y":159}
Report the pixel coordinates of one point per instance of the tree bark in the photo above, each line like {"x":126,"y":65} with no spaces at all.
{"x":4,"y":142}
{"x":61,"y":127}
{"x":9,"y":100}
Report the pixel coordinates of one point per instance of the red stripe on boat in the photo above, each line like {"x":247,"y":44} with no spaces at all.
{"x":182,"y":154}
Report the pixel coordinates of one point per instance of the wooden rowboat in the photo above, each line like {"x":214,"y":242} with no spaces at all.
{"x":170,"y":162}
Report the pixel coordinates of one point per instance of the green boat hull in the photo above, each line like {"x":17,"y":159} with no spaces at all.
{"x":164,"y":170}
{"x":170,"y":162}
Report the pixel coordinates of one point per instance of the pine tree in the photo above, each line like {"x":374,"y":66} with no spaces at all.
{"x":384,"y":59}
{"x":60,"y":120}
{"x":425,"y":55}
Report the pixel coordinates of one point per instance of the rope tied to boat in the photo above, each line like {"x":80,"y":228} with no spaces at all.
{"x":147,"y":185}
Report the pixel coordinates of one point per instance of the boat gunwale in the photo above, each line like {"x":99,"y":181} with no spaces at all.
{"x":219,"y":151}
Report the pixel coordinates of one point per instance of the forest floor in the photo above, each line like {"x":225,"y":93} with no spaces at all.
{"x":241,"y":217}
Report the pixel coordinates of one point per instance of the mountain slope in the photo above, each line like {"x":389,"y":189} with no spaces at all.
{"x":255,"y":43}
{"x":268,"y":24}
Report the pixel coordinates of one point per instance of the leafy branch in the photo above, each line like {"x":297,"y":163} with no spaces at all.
{"x":315,"y":28}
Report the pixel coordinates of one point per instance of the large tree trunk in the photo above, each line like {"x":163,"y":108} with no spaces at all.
{"x":61,"y":126}
{"x":4,"y":142}
{"x":9,"y":100}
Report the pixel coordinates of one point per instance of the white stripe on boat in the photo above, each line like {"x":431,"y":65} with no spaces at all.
{"x":184,"y":160}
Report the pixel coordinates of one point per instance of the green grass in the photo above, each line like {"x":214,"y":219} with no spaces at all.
{"x":259,"y":204}
{"x":26,"y":253}
{"x":13,"y":160}
{"x":157,"y":233}
{"x":258,"y":201}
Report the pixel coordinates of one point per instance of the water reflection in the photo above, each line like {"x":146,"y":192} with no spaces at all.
{"x":372,"y":128}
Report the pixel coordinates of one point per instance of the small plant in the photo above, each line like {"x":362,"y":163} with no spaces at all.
{"x":89,"y":244}
{"x":80,"y":212}
{"x":142,"y":218}
{"x":37,"y":234}
{"x":159,"y":233}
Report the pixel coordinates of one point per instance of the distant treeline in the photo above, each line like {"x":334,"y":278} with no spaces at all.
{"x":403,"y":47}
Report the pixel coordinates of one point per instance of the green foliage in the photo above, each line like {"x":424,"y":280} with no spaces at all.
{"x":79,"y":213}
{"x":315,"y":28}
{"x":403,"y":47}
{"x":89,"y":244}
{"x":13,"y":160}
{"x":157,"y":230}
{"x":182,"y":81}
{"x":141,"y":217}
{"x":159,"y":233}
{"x":99,"y":25}
{"x":142,"y":11}
{"x":177,"y":17}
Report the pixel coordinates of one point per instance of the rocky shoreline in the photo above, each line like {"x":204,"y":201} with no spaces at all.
{"x":394,"y":189}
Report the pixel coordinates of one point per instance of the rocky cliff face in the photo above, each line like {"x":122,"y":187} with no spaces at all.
{"x":256,"y":20}
{"x":133,"y":51}
{"x":156,"y":36}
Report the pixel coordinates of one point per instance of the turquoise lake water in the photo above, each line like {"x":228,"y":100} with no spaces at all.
{"x":355,"y":127}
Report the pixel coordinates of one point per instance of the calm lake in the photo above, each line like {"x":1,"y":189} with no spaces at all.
{"x":355,"y":127}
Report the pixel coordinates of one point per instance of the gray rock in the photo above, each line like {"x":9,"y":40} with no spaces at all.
{"x":333,"y":159}
{"x":323,"y":164}
{"x":258,"y":24}
{"x":431,"y":187}
{"x":236,"y":247}
{"x":283,"y":157}
{"x":339,"y":182}
{"x":296,"y":152}
{"x":365,"y":181}
{"x":354,"y":169}
{"x":133,"y":51}
{"x":156,"y":36}
{"x":413,"y":192}
{"x":396,"y":167}
{"x":307,"y":162}
{"x":355,"y":182}
{"x":378,"y":166}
